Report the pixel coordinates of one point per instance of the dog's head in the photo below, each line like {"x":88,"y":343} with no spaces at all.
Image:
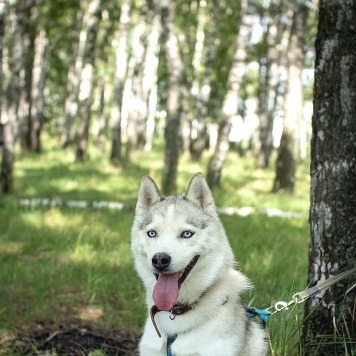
{"x":178,"y":242}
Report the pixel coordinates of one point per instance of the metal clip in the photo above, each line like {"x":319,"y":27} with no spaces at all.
{"x":171,"y":315}
{"x":280,"y":306}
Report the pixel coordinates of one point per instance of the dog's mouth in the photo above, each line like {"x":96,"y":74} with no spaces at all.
{"x":166,"y":290}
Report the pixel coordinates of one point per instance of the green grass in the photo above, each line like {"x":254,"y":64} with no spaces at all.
{"x":74,"y":265}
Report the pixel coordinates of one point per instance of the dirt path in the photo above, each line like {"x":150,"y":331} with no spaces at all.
{"x":73,"y":342}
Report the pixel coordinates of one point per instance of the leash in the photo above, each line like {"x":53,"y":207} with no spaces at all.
{"x":263,"y":314}
{"x":297,"y":298}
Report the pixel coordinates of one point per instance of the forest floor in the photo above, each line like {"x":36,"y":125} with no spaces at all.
{"x":72,"y":341}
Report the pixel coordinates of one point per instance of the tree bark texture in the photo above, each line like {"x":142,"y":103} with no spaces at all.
{"x":230,"y":104}
{"x":100,"y":124}
{"x":73,"y":81}
{"x":136,"y":102}
{"x":150,"y":76}
{"x":119,"y":81}
{"x":289,"y":146}
{"x":12,"y":23}
{"x":330,"y":328}
{"x":86,"y":82}
{"x":269,"y":80}
{"x":175,"y":70}
{"x":199,"y":130}
{"x":28,"y":43}
{"x":38,"y":86}
{"x":196,"y":118}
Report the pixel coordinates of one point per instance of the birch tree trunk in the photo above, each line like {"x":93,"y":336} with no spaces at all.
{"x":28,"y":43}
{"x":196,"y":123}
{"x":8,"y":149}
{"x":86,"y":82}
{"x":11,"y":19}
{"x":150,"y":77}
{"x":119,"y":81}
{"x":100,"y":124}
{"x":3,"y":59}
{"x":103,"y":87}
{"x":230,"y":104}
{"x":175,"y":70}
{"x":330,"y":328}
{"x":269,"y":82}
{"x":288,"y":152}
{"x":73,"y":81}
{"x":38,"y":87}
{"x":136,"y":102}
{"x":199,"y":131}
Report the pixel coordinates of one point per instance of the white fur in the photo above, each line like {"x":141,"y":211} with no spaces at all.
{"x":217,"y":324}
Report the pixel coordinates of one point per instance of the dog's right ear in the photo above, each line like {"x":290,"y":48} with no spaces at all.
{"x":198,"y":193}
{"x":148,"y":194}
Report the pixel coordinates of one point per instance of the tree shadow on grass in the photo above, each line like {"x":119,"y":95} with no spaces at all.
{"x":87,"y":181}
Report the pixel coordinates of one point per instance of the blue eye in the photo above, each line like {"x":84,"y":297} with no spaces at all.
{"x":151,"y":233}
{"x":187,"y":234}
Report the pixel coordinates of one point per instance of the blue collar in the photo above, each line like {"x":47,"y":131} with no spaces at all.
{"x":263,"y":314}
{"x":170,"y":340}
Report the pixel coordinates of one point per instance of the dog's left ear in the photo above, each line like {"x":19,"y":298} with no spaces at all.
{"x":198,"y":193}
{"x":148,"y":194}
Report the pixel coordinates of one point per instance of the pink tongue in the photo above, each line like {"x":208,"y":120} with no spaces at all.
{"x":165,"y":292}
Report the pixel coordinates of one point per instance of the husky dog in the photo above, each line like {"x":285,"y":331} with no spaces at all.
{"x":185,"y":261}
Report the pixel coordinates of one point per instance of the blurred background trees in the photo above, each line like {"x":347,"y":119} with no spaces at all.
{"x":197,"y":75}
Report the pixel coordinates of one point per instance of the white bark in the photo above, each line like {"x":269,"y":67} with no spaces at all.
{"x":150,"y":78}
{"x":120,"y":75}
{"x":230,"y":103}
{"x":134,"y":106}
{"x":12,"y":23}
{"x":288,"y":153}
{"x":38,"y":86}
{"x":86,"y":79}
{"x":73,"y":81}
{"x":175,"y":70}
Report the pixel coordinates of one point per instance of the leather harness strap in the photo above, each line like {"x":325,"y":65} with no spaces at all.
{"x":178,"y":309}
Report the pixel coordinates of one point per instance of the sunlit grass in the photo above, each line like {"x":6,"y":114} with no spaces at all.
{"x":272,"y":252}
{"x":96,"y":179}
{"x":57,"y":261}
{"x":68,"y":265}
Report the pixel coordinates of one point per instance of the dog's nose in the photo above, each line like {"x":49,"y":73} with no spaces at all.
{"x":161,"y":260}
